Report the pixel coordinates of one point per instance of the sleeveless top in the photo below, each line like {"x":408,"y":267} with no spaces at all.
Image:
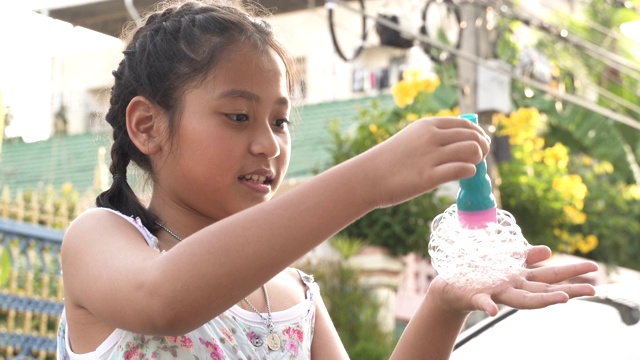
{"x":234,"y":334}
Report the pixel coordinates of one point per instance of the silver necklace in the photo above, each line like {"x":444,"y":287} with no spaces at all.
{"x":169,"y":231}
{"x":273,"y":340}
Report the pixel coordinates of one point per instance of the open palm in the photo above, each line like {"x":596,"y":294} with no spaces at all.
{"x":531,"y":289}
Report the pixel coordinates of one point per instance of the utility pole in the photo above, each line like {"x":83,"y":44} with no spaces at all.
{"x":482,"y":90}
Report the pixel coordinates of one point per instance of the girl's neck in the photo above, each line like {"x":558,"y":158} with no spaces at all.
{"x":180,"y":220}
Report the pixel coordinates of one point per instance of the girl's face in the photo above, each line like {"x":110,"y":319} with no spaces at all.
{"x":232,"y":144}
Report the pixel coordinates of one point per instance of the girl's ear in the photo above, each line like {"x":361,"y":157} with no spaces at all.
{"x":146,"y":125}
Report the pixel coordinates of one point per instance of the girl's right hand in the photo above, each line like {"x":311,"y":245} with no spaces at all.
{"x":422,"y":156}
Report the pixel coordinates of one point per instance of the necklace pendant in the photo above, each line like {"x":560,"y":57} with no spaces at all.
{"x":273,"y":341}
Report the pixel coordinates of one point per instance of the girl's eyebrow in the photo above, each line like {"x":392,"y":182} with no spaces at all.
{"x":248,"y":95}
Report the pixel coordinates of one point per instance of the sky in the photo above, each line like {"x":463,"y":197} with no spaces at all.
{"x":29,"y":42}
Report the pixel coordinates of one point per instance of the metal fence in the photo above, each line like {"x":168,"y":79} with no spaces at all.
{"x":31,"y":290}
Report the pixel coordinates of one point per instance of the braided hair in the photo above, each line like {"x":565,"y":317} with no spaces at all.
{"x":174,"y":47}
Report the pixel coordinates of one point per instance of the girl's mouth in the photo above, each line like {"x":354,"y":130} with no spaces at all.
{"x":256,"y":179}
{"x":258,"y":183}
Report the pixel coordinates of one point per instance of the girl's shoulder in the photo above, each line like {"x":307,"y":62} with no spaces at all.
{"x":299,"y":275}
{"x":102,"y":223}
{"x":303,"y":281}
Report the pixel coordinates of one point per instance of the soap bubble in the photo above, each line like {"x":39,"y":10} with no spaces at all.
{"x":477,"y":258}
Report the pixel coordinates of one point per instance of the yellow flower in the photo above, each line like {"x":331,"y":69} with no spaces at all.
{"x":571,"y":188}
{"x":446,"y":112}
{"x":520,"y":125}
{"x":631,"y":192}
{"x":498,"y":119}
{"x":587,"y":244}
{"x":411,"y":117}
{"x":568,"y":242}
{"x":67,"y":188}
{"x":603,"y":167}
{"x":574,"y":215}
{"x":587,"y":160}
{"x":373,"y":128}
{"x":557,"y":155}
{"x":429,"y":84}
{"x":404,"y":93}
{"x":413,"y":82}
{"x":411,"y":75}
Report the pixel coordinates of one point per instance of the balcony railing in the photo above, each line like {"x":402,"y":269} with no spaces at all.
{"x":31,"y":290}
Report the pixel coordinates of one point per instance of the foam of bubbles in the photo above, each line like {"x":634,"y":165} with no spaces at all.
{"x":477,"y":258}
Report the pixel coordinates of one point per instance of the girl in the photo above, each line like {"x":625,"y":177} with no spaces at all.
{"x":201,"y":102}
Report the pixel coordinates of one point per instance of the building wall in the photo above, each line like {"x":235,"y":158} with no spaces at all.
{"x":84,"y":86}
{"x":85,"y":77}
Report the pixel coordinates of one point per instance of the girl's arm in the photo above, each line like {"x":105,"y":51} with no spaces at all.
{"x":110,"y":271}
{"x":326,"y":343}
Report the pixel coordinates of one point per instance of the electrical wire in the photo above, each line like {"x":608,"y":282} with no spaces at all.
{"x":603,"y":56}
{"x":570,"y":98}
{"x":614,"y":60}
{"x":592,"y":25}
{"x":507,"y":10}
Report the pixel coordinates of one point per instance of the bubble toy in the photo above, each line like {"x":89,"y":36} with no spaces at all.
{"x":474,"y":244}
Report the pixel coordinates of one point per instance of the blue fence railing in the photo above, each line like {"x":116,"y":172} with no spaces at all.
{"x":31,"y":290}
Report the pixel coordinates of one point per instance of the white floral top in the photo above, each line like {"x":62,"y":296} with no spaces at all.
{"x":235,"y":334}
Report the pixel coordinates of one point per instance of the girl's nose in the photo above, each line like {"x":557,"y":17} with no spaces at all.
{"x":265,"y":142}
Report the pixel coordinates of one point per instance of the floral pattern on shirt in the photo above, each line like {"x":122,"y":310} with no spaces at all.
{"x":141,"y":346}
{"x":227,"y":336}
{"x":293,"y":338}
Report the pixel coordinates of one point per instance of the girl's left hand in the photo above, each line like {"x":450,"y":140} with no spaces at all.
{"x":532,"y":289}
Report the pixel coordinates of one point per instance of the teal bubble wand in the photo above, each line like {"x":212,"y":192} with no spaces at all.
{"x":473,"y":244}
{"x":475,"y":201}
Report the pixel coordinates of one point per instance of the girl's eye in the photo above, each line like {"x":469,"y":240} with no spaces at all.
{"x":281,"y":123}
{"x":238,"y":117}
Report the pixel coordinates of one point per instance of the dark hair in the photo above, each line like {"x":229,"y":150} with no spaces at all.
{"x":174,"y":47}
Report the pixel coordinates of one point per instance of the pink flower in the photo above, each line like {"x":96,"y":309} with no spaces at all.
{"x":214,"y":349}
{"x":217,"y":353}
{"x":186,"y":343}
{"x":133,"y":354}
{"x":229,"y":335}
{"x":295,"y":334}
{"x":172,"y":339}
{"x":292,"y":347}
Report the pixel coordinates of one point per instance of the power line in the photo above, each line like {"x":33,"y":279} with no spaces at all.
{"x":602,"y":55}
{"x":570,"y":98}
{"x":593,"y":25}
{"x":609,"y":58}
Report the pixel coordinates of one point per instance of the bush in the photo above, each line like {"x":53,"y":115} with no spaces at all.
{"x":352,"y":307}
{"x":402,"y":228}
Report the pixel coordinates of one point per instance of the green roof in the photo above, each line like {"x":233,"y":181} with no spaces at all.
{"x":310,"y":137}
{"x":54,"y":161}
{"x":73,"y":158}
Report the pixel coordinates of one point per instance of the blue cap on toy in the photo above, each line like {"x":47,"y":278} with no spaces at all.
{"x":476,"y":202}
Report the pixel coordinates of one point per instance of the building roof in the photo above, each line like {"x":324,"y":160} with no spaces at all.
{"x":109,"y":16}
{"x":74,"y":158}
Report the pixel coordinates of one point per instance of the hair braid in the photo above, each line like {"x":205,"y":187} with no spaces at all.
{"x":175,"y":47}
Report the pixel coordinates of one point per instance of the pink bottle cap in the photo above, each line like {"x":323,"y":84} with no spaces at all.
{"x":477,"y":219}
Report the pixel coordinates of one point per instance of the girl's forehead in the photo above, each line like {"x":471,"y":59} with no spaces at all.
{"x":247,"y":64}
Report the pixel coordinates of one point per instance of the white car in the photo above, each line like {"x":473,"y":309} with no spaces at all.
{"x":605,"y":326}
